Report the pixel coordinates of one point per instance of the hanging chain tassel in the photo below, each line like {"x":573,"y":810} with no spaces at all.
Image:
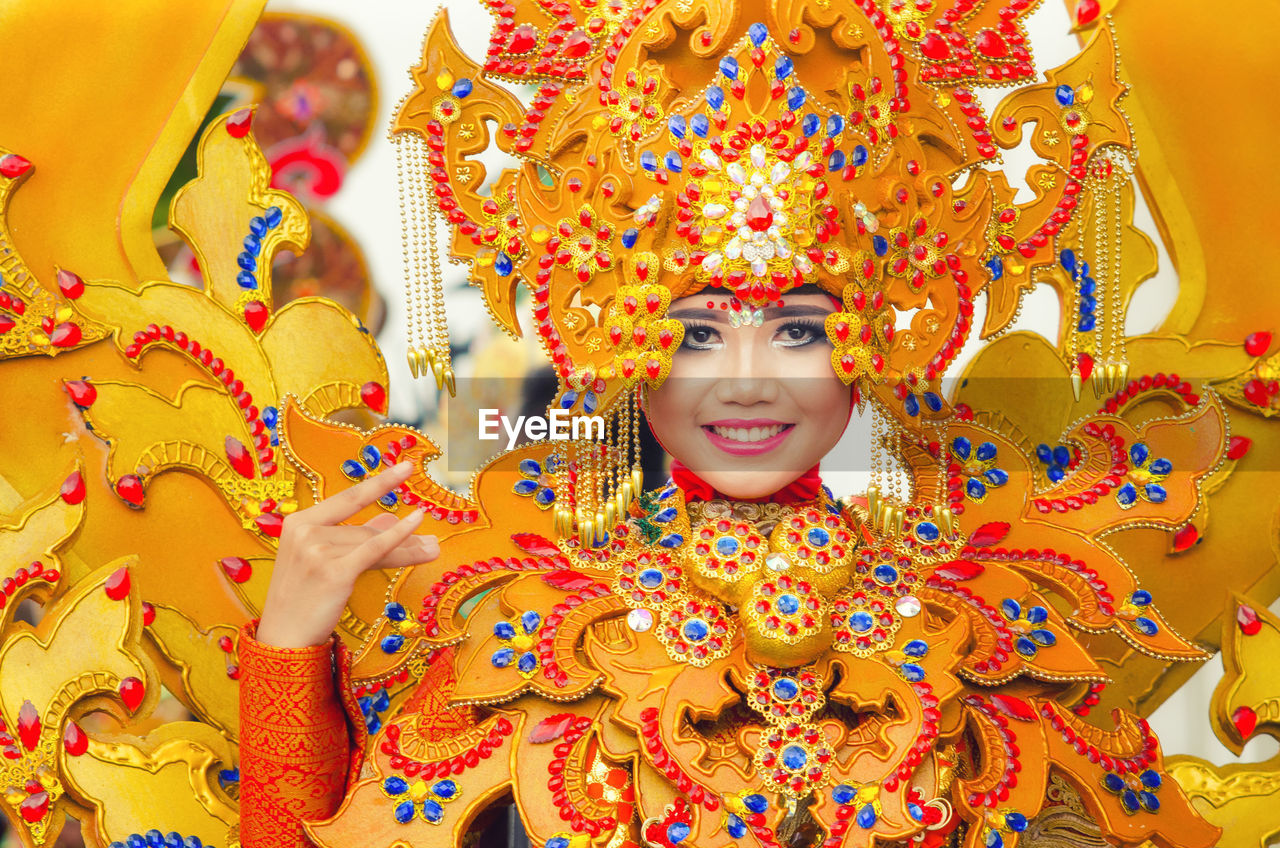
{"x":604,"y":479}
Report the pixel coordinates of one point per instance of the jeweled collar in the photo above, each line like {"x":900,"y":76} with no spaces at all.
{"x":804,"y":489}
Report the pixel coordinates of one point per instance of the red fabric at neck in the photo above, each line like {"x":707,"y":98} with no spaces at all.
{"x":804,"y":488}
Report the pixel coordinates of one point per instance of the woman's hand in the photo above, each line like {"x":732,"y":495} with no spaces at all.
{"x":319,"y":560}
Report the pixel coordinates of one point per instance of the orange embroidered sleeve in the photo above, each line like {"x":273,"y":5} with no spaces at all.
{"x":300,"y":742}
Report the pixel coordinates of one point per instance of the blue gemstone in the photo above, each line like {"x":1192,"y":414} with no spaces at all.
{"x":504,"y":630}
{"x":1127,"y":495}
{"x":1088,"y":286}
{"x":758,"y":32}
{"x":974,"y":488}
{"x":927,"y":531}
{"x":135,"y":840}
{"x":395,"y":785}
{"x":649,"y":160}
{"x":1113,"y":782}
{"x":1062,"y":455}
{"x":788,"y":604}
{"x":528,"y":662}
{"x":673,"y":162}
{"x":809,"y":124}
{"x":665,"y":516}
{"x":993,"y":839}
{"x":1160,"y":466}
{"x":795,"y":97}
{"x":252,"y":246}
{"x":729,"y":67}
{"x":866,"y":817}
{"x":715,"y":97}
{"x":1068,"y":259}
{"x":370,"y":456}
{"x":1087,"y":324}
{"x":861,"y":621}
{"x":678,"y":832}
{"x":961,"y":447}
{"x":229,"y":775}
{"x":1026,"y":647}
{"x":783,"y":67}
{"x":444,"y":789}
{"x":701,"y":125}
{"x":986,"y":451}
{"x":404,"y":812}
{"x":545,"y":497}
{"x":568,"y":399}
{"x":911,"y":405}
{"x":1088,"y":305}
{"x":502,"y":657}
{"x":247,"y":262}
{"x":392,"y":643}
{"x":432,"y":811}
{"x":1139,"y":453}
{"x":695,"y":630}
{"x":794,"y":757}
{"x":996,"y":266}
{"x":530,"y":467}
{"x":192,"y":842}
{"x":1011,"y":609}
{"x":1044,"y":454}
{"x":836,"y":161}
{"x":736,"y":826}
{"x":353,"y":470}
{"x":395,"y":611}
{"x":155,"y":838}
{"x":1055,"y":474}
{"x":1016,"y":822}
{"x":366,"y":705}
{"x":389,"y":500}
{"x":886,"y":573}
{"x":1146,"y":626}
{"x":1066,"y":95}
{"x":818,"y":536}
{"x":843,"y":794}
{"x":996,"y":477}
{"x":671,"y":540}
{"x":173,"y":839}
{"x":629,"y":237}
{"x":651,"y":578}
{"x":1037,"y":615}
{"x":880,"y":245}
{"x":755,"y":803}
{"x":915,"y":811}
{"x":1129,"y":799}
{"x":916,"y":648}
{"x":1150,"y":779}
{"x":273,"y":217}
{"x":912,"y":672}
{"x":258,"y":226}
{"x":1140,"y":598}
{"x":530,"y":621}
{"x":382,"y":702}
{"x":1155,"y":493}
{"x":860,"y":155}
{"x":1150,"y":802}
{"x":785,"y":689}
{"x":270,"y":416}
{"x":676,"y":124}
{"x":933,"y":401}
{"x":246,"y":280}
{"x":525,"y":487}
{"x":727,"y":546}
{"x":557,"y":842}
{"x":835,"y":125}
{"x":1044,"y":638}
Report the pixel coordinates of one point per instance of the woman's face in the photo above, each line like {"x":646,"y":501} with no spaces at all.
{"x":749,"y":409}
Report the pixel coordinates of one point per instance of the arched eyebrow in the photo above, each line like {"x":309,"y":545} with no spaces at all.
{"x":771,"y":313}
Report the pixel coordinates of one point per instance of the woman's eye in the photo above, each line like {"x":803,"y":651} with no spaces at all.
{"x":796,"y":335}
{"x":699,"y":337}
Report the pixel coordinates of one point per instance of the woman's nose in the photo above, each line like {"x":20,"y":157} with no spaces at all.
{"x":746,"y":378}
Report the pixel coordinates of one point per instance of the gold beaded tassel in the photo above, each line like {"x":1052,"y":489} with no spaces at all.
{"x":424,"y":279}
{"x":607,"y":479}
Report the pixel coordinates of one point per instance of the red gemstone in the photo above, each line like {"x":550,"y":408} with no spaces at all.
{"x":65,"y":334}
{"x":1255,"y":391}
{"x":523,"y":39}
{"x":132,"y":691}
{"x":576,"y":45}
{"x":238,"y":125}
{"x":239,"y":457}
{"x":129,"y":487}
{"x":148,"y":614}
{"x":1087,"y":12}
{"x":935,"y":47}
{"x":29,"y":726}
{"x":82,"y":392}
{"x":72,"y":490}
{"x":759,"y":215}
{"x":1245,"y":720}
{"x":270,"y":523}
{"x":1257,"y":343}
{"x":989,"y":534}
{"x":117,"y":585}
{"x":75,"y":740}
{"x":959,"y":571}
{"x":1238,"y":446}
{"x":374,"y":396}
{"x":34,"y":806}
{"x":1185,"y":538}
{"x":6,"y":323}
{"x":1248,"y":620}
{"x":70,"y":284}
{"x":1084,"y":363}
{"x":256,"y":315}
{"x":13,"y":165}
{"x":991,"y":45}
{"x":237,"y":568}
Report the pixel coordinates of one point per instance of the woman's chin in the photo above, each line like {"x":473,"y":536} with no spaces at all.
{"x":748,"y":485}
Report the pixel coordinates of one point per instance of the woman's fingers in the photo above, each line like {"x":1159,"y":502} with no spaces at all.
{"x":412,"y":551}
{"x":374,"y":550}
{"x":347,"y":503}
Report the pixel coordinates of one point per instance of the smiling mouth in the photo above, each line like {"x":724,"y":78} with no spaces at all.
{"x":747,"y":435}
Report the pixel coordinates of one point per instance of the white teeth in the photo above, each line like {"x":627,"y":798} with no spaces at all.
{"x":743,"y":434}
